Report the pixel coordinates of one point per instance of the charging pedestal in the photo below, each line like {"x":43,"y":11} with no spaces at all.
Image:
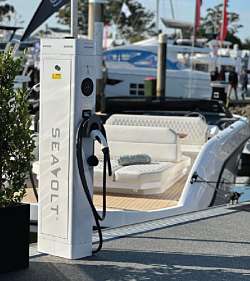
{"x":67,"y":88}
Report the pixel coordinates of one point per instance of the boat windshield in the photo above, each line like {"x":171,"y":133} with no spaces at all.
{"x":139,"y":58}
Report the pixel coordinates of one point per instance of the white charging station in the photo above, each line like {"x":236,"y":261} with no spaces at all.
{"x":67,"y":88}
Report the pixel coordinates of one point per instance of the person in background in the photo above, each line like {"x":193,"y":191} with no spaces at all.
{"x":222,"y":74}
{"x":215,"y":74}
{"x":233,"y":84}
{"x":244,"y":83}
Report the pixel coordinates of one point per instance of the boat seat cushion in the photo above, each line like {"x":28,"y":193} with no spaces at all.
{"x":152,"y":178}
{"x":195,"y":128}
{"x":161,"y":144}
{"x":135,"y":159}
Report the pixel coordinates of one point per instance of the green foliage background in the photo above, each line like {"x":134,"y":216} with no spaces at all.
{"x":6,"y":10}
{"x":137,"y":26}
{"x":16,"y":143}
{"x":212,"y":21}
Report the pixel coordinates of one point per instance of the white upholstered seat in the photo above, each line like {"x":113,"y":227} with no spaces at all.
{"x":161,"y":144}
{"x":152,"y":178}
{"x":195,"y":129}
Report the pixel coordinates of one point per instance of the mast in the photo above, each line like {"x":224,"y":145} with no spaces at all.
{"x":172,"y":9}
{"x":157,"y":16}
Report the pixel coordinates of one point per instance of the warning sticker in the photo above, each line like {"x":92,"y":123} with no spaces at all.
{"x":56,"y":76}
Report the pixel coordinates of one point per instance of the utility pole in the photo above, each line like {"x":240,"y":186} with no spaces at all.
{"x":95,"y":32}
{"x":161,"y":66}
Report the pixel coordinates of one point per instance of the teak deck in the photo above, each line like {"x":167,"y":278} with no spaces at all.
{"x":167,"y":199}
{"x":135,"y":202}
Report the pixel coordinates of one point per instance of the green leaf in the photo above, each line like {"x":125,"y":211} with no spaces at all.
{"x":16,"y":142}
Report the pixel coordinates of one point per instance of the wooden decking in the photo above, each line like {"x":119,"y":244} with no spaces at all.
{"x":133,"y":202}
{"x":143,"y":202}
{"x":136,"y":202}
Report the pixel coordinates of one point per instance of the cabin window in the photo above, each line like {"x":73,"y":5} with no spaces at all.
{"x":201,"y":67}
{"x":121,"y":55}
{"x":128,"y":56}
{"x":228,"y":68}
{"x":139,"y":58}
{"x":111,"y":56}
{"x":146,"y":59}
{"x":136,"y":89}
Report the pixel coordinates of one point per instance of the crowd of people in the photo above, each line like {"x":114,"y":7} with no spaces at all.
{"x":233,"y":81}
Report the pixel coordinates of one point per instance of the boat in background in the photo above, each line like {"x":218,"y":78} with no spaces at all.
{"x":221,"y":55}
{"x":128,"y":67}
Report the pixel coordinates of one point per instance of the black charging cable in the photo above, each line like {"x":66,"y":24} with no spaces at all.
{"x":92,"y":161}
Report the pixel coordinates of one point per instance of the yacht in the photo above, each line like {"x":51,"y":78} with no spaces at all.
{"x":221,"y":55}
{"x":194,"y":151}
{"x":128,"y":66}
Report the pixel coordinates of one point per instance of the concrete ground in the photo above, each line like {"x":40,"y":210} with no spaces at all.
{"x":217,"y":248}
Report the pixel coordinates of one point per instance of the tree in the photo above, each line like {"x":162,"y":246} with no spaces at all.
{"x":138,"y":25}
{"x":64,"y":16}
{"x":16,"y":142}
{"x":246,"y":44}
{"x":211,"y":24}
{"x":6,"y":11}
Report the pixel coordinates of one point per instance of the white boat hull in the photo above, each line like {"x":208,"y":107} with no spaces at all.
{"x":179,"y":83}
{"x":197,"y":196}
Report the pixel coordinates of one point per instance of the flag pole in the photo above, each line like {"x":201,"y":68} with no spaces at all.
{"x":197,"y":19}
{"x":223,"y":23}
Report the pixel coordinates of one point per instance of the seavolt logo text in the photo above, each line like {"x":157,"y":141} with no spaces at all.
{"x":55,"y":171}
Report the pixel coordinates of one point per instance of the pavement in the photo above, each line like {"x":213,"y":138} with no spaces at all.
{"x":216,"y":248}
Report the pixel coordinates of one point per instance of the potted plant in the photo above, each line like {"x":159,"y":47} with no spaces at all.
{"x":16,"y":146}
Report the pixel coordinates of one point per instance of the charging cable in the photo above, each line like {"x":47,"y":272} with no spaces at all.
{"x":93,"y":128}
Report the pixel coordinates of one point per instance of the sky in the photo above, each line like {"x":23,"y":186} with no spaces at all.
{"x":184,"y":10}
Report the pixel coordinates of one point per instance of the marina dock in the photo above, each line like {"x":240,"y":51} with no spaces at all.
{"x":205,"y":245}
{"x":124,"y":148}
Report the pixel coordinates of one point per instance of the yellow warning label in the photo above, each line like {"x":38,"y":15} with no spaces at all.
{"x":56,"y":76}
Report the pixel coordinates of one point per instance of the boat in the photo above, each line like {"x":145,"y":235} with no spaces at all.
{"x":193,"y":165}
{"x":221,"y":56}
{"x":10,"y":41}
{"x":128,"y":67}
{"x":194,"y":151}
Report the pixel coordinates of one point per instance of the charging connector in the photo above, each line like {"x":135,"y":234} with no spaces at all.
{"x":92,"y":127}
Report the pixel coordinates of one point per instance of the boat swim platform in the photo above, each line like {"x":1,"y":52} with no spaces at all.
{"x":213,"y":244}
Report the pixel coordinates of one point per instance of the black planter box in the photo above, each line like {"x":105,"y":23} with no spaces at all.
{"x":14,"y":238}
